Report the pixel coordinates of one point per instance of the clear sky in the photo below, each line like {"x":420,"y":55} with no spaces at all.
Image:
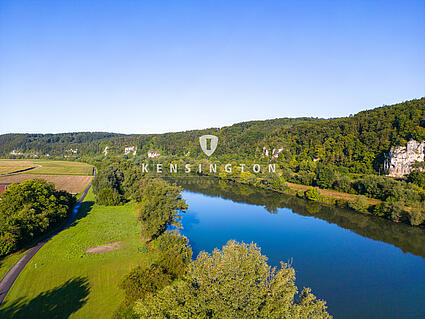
{"x":157,"y":66}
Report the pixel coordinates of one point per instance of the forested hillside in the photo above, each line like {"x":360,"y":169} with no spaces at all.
{"x":357,"y":143}
{"x":237,"y":139}
{"x":85,"y":142}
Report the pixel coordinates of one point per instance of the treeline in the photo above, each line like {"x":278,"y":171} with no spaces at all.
{"x":236,"y":139}
{"x":233,"y":282}
{"x":402,"y":201}
{"x":357,"y":143}
{"x":53,"y":144}
{"x":28,"y":210}
{"x":407,"y":238}
{"x":396,"y":200}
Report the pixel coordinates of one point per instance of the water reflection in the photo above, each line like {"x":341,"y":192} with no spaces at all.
{"x":408,"y":239}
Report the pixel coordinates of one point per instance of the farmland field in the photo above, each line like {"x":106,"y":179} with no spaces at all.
{"x":11,"y":166}
{"x":70,"y":176}
{"x":45,"y":167}
{"x":75,"y":283}
{"x":70,"y":183}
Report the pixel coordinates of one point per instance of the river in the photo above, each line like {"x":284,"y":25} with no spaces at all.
{"x":363,"y":266}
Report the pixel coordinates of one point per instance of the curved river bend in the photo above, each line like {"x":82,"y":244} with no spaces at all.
{"x":365,"y":267}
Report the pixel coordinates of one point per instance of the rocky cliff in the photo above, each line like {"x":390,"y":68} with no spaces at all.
{"x":401,"y":160}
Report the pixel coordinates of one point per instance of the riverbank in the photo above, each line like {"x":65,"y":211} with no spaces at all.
{"x":356,"y":203}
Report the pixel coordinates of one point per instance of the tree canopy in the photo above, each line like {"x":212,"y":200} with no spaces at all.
{"x":235,"y":282}
{"x":29,"y":209}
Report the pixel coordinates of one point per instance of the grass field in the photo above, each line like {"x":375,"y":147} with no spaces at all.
{"x":331,"y":193}
{"x":11,"y":166}
{"x":62,"y":168}
{"x":70,"y":176}
{"x":43,"y":167}
{"x":6,"y":263}
{"x":71,"y":183}
{"x":63,"y":281}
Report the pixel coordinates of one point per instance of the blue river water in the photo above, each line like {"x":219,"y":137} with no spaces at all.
{"x":364,"y":267}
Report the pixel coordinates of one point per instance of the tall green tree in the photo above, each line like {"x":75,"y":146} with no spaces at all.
{"x":29,"y":209}
{"x":235,"y":282}
{"x":160,"y":205}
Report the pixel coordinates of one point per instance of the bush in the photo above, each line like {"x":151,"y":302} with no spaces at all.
{"x":360,"y":203}
{"x":313,"y":194}
{"x":417,"y":214}
{"x":306,"y":178}
{"x":141,"y":281}
{"x":341,"y":203}
{"x":109,"y":181}
{"x":417,"y":177}
{"x":342,"y":183}
{"x":391,"y":210}
{"x":8,"y":243}
{"x":174,"y":254}
{"x":325,"y":176}
{"x":108,"y":197}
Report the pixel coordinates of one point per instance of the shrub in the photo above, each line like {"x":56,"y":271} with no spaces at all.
{"x":312,"y":194}
{"x":141,"y":281}
{"x":174,"y":254}
{"x":342,"y":183}
{"x":341,"y":203}
{"x":417,"y":177}
{"x":325,"y":176}
{"x":108,"y":197}
{"x":360,"y":203}
{"x":8,"y":243}
{"x":109,"y":181}
{"x":417,"y":214}
{"x":306,"y":178}
{"x":391,"y":210}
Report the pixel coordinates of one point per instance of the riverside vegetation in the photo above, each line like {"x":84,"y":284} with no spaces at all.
{"x":174,"y":286}
{"x":29,"y":210}
{"x":342,"y":157}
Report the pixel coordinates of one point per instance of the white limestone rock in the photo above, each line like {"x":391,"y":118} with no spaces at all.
{"x":401,"y":160}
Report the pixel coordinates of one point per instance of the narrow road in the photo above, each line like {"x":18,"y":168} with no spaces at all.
{"x":14,"y":272}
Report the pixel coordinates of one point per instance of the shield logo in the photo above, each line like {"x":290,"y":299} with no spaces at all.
{"x":208,"y":144}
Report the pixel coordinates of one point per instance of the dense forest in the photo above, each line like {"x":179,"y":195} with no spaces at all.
{"x":357,"y":143}
{"x":237,"y":139}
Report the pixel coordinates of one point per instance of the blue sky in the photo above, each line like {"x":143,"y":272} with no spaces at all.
{"x":158,"y":66}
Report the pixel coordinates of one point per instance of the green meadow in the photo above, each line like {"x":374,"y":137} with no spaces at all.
{"x":45,"y":167}
{"x":6,"y":263}
{"x":76,"y":284}
{"x":61,"y":168}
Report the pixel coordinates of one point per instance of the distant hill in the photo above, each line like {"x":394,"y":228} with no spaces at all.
{"x":236,"y":137}
{"x":357,"y":142}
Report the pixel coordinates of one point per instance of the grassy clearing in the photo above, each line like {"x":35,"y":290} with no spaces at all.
{"x":74,"y":283}
{"x":11,"y":166}
{"x":331,"y":193}
{"x":70,"y":183}
{"x":6,"y":263}
{"x":43,"y":167}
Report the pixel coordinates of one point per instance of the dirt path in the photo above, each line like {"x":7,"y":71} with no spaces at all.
{"x":14,"y":272}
